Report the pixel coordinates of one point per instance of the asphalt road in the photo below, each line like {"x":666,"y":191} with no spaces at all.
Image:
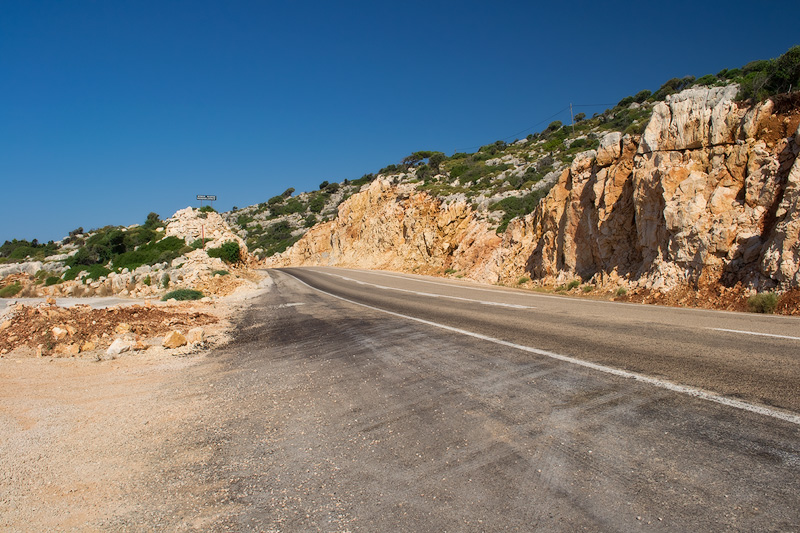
{"x":359,"y":401}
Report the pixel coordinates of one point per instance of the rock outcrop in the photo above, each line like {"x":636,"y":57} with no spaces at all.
{"x":708,"y":194}
{"x":396,"y":228}
{"x":191,"y":224}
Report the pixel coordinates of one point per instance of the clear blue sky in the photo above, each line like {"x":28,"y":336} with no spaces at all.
{"x":110,"y":110}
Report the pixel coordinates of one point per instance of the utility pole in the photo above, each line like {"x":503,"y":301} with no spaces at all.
{"x":572,"y":117}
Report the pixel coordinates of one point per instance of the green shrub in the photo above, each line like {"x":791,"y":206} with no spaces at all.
{"x":163,"y":251}
{"x":19,"y":249}
{"x":363,"y":180}
{"x":52,"y":280}
{"x":587,"y":288}
{"x":10,"y":290}
{"x":622,"y":291}
{"x":147,"y":281}
{"x":207,"y":209}
{"x":514,"y":206}
{"x":523,"y":279}
{"x":220,"y":272}
{"x":196,"y":244}
{"x":152,"y":221}
{"x":317,"y":203}
{"x":93,"y":272}
{"x":182,"y":294}
{"x":572,"y":284}
{"x":708,"y":79}
{"x":228,"y":252}
{"x":763,"y":302}
{"x":450,"y":271}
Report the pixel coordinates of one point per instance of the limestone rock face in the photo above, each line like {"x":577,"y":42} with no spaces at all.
{"x":710,"y":190}
{"x":396,"y":228}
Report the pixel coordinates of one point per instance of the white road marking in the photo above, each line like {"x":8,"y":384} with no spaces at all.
{"x":564,"y":298}
{"x":756,"y":333}
{"x":674,"y":387}
{"x":455,"y":285}
{"x":428,"y":294}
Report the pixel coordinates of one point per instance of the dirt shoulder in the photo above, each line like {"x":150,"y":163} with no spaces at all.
{"x":79,"y":433}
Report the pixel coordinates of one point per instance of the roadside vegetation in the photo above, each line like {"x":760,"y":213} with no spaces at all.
{"x":183,"y":295}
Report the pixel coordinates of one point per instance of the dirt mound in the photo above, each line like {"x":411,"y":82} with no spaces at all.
{"x":51,"y":330}
{"x":789,"y":303}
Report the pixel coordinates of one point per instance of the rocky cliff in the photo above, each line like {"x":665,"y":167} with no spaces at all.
{"x":708,"y":195}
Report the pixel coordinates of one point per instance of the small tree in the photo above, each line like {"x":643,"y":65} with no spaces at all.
{"x":153,"y":221}
{"x":436,"y":159}
{"x":580,"y":116}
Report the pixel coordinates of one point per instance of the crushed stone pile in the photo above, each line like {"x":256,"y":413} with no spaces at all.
{"x":49,"y":330}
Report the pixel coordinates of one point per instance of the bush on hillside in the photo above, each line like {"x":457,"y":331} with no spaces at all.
{"x":183,"y":294}
{"x":229,"y":252}
{"x":514,"y":206}
{"x":763,"y":302}
{"x":10,"y":290}
{"x":163,"y":251}
{"x":17,"y":250}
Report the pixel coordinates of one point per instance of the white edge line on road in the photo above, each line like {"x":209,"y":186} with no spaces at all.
{"x":563,"y":298}
{"x":756,"y":333}
{"x":484,"y":302}
{"x":674,"y":387}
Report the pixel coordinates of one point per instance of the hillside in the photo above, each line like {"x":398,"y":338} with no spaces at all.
{"x":502,"y":180}
{"x":682,"y":195}
{"x":701,"y":208}
{"x":194,"y":249}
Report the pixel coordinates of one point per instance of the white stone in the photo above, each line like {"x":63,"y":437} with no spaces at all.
{"x":119,"y":346}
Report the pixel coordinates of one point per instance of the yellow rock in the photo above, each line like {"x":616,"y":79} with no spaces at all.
{"x":72,"y":349}
{"x":174,"y":339}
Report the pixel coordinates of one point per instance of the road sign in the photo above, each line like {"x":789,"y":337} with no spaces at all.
{"x":207,"y":197}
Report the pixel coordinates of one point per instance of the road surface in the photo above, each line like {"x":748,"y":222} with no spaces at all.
{"x":359,"y":401}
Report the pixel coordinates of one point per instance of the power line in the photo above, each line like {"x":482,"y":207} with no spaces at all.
{"x":554,"y":115}
{"x":523,"y":131}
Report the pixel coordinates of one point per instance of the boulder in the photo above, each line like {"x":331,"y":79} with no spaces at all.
{"x":195,"y":335}
{"x":174,"y":339}
{"x":119,"y":346}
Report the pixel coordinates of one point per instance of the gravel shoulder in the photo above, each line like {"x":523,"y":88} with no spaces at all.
{"x":82,"y":440}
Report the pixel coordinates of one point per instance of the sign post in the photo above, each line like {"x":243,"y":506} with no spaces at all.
{"x":209,"y":198}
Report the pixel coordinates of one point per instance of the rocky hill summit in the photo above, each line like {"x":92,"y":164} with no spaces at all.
{"x":704,"y":200}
